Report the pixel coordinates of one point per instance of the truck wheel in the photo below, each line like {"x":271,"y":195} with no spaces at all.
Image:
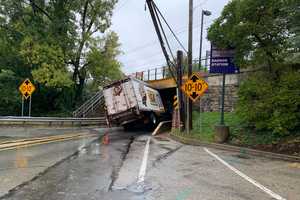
{"x":127,"y":127}
{"x":153,"y":120}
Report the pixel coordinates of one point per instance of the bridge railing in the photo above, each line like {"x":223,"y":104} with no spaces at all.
{"x":152,"y":74}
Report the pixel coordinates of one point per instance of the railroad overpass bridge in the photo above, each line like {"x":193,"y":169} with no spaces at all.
{"x":160,"y":79}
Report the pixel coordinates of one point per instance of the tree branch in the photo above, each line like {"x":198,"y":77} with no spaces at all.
{"x":35,"y":6}
{"x":84,"y":16}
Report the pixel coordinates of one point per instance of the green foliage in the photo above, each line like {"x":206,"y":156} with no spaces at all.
{"x":58,"y":44}
{"x":259,"y":31}
{"x":9,"y":98}
{"x":265,"y":36}
{"x":271,"y":106}
{"x":102,"y":59}
{"x":47,"y":62}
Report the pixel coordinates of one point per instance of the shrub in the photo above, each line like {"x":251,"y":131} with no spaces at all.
{"x":270,"y":103}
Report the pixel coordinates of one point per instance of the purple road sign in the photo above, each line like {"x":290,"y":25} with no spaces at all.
{"x":221,"y":61}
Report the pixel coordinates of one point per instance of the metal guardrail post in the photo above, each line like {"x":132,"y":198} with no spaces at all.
{"x":155,"y":74}
{"x":148,"y":74}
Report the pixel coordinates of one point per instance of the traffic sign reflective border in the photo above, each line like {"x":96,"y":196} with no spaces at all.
{"x":194,"y":87}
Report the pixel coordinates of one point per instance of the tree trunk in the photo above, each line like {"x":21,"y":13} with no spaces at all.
{"x":79,"y":90}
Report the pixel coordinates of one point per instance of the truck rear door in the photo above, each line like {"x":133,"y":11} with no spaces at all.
{"x":120,"y":97}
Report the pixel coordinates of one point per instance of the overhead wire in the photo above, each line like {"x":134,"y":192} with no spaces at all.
{"x":148,"y":67}
{"x":200,"y":4}
{"x":164,"y":34}
{"x":154,"y":42}
{"x":158,"y":13}
{"x":170,"y":28}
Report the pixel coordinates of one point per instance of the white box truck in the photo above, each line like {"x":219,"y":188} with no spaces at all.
{"x":130,"y":100}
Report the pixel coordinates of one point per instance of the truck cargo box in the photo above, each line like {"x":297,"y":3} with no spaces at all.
{"x":130,"y":99}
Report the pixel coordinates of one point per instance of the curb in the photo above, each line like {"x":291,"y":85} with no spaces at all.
{"x":190,"y":141}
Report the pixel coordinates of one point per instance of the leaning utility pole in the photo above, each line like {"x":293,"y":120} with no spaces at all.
{"x":179,"y":84}
{"x":189,"y":123}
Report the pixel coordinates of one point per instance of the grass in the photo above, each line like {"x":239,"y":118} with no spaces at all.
{"x":203,"y":124}
{"x":203,"y":130}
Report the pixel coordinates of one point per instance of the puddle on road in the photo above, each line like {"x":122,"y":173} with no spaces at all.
{"x":21,"y":161}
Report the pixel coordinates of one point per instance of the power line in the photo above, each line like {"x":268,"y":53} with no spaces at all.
{"x":152,"y":67}
{"x":200,"y":4}
{"x":145,"y":61}
{"x":170,"y":28}
{"x":158,"y":52}
{"x":149,"y":56}
{"x":164,"y":35}
{"x":154,"y":42}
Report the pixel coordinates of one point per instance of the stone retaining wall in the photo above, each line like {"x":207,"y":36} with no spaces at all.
{"x":211,"y":100}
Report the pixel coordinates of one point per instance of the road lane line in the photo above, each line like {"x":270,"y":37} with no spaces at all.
{"x":39,"y":142}
{"x":143,"y":168}
{"x":257,"y":184}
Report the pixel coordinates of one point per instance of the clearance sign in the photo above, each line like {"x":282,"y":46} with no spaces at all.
{"x":26,"y":88}
{"x":194,"y":87}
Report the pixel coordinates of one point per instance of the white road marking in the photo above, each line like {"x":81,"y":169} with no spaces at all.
{"x":143,"y":168}
{"x":257,"y":184}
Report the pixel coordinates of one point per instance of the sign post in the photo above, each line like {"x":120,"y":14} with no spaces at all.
{"x":223,"y":99}
{"x":194,"y":88}
{"x":22,"y":106}
{"x":179,"y":92}
{"x":26,"y":89}
{"x":221,"y":61}
{"x":29,"y":112}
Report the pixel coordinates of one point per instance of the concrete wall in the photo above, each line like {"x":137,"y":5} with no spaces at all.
{"x":211,"y":100}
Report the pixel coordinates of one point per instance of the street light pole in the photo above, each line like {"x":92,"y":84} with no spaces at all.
{"x":203,"y":13}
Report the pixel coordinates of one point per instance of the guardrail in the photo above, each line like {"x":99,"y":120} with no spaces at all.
{"x":52,"y":121}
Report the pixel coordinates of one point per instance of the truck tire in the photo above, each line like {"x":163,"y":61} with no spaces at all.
{"x":127,"y":127}
{"x":153,"y":121}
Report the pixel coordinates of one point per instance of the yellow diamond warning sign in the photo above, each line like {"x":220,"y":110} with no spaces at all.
{"x":26,"y":88}
{"x":194,"y":87}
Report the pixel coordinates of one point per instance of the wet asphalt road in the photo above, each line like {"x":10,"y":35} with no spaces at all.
{"x":15,"y":133}
{"x":173,"y":171}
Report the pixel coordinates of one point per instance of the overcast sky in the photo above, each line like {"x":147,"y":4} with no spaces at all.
{"x":138,"y":38}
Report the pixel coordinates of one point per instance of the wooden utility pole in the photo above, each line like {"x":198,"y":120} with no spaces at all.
{"x":189,"y":123}
{"x":179,"y":84}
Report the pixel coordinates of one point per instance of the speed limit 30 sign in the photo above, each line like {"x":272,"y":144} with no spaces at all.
{"x":194,"y":87}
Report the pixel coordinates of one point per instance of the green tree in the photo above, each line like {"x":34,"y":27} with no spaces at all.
{"x":265,"y":36}
{"x":52,"y":42}
{"x":103,"y":65}
{"x":93,"y":16}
